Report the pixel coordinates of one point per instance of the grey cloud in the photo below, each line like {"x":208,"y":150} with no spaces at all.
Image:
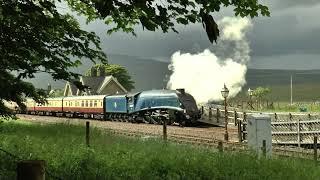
{"x":291,"y":30}
{"x":284,"y":4}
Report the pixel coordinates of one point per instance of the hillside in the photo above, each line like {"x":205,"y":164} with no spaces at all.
{"x":151,"y":74}
{"x":146,"y":73}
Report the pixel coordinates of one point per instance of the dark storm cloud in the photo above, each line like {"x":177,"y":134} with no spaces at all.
{"x":284,"y":36}
{"x":283,"y":4}
{"x":293,"y":28}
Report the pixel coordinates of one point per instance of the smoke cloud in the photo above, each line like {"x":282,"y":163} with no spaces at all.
{"x":204,"y":74}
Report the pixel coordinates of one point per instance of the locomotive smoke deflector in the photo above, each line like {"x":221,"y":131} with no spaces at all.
{"x":181,"y":90}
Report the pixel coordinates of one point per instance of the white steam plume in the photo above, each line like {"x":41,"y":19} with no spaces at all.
{"x":204,"y":74}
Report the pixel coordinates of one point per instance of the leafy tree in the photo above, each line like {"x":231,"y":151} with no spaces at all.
{"x":164,"y":15}
{"x":260,"y":93}
{"x":115,"y":70}
{"x":35,"y":37}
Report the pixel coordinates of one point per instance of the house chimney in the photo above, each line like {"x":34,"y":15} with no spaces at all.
{"x":182,"y":91}
{"x":93,"y":72}
{"x":49,"y":88}
{"x":101,"y":71}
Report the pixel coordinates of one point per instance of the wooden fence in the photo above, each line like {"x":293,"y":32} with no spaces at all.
{"x":287,"y":128}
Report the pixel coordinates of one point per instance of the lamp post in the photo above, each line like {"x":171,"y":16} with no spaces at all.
{"x":225,"y":93}
{"x":250,"y":93}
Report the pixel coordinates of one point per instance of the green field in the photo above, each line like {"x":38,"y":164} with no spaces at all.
{"x":304,"y":96}
{"x":306,"y":84}
{"x":304,"y":92}
{"x":114,"y":157}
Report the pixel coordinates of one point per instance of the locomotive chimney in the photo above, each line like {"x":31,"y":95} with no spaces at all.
{"x":182,"y":91}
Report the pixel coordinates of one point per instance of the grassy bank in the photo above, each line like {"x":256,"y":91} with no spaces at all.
{"x":113,"y":157}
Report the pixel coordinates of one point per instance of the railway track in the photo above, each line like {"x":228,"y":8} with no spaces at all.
{"x":195,"y":135}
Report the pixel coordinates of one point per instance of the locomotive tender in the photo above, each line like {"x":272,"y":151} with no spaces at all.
{"x":176,"y":106}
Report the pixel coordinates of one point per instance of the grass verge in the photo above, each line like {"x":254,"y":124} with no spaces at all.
{"x":114,"y":157}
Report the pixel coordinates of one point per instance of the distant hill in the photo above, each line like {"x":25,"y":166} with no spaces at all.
{"x":152,"y":74}
{"x":146,"y":73}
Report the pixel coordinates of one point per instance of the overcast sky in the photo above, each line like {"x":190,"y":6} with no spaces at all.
{"x":289,"y":39}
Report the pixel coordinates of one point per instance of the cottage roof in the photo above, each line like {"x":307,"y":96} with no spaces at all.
{"x":93,"y":82}
{"x":73,"y":88}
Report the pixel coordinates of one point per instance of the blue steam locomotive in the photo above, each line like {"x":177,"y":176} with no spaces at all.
{"x":153,"y":106}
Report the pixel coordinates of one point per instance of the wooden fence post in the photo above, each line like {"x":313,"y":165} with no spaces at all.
{"x":88,"y":133}
{"x":290,"y":125}
{"x":298,"y":132}
{"x":239,"y":131}
{"x":164,"y":129}
{"x":220,"y":146}
{"x":210,"y":113}
{"x":309,"y":125}
{"x":235,"y":118}
{"x":264,"y":148}
{"x":31,"y":170}
{"x":315,"y":148}
{"x":244,"y":125}
{"x":218,"y":115}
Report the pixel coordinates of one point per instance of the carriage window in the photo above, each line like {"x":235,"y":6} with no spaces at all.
{"x":95,"y":103}
{"x":90,"y":103}
{"x":87,"y":103}
{"x":82,"y":103}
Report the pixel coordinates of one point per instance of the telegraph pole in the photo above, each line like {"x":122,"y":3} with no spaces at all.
{"x":291,"y":90}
